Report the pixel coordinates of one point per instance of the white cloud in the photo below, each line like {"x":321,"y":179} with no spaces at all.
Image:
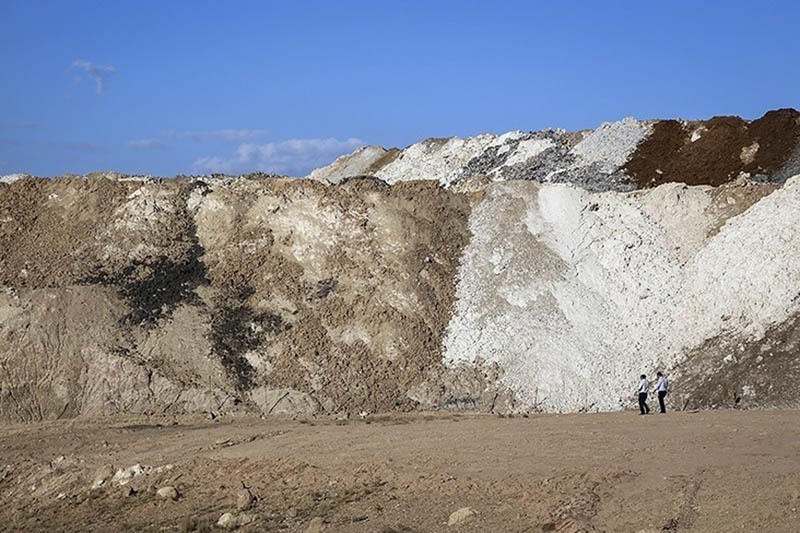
{"x":230,"y":135}
{"x":295,"y":157}
{"x":98,"y":73}
{"x":146,"y":144}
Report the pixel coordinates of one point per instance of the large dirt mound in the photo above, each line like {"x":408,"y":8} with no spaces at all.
{"x":268,"y":294}
{"x":477,"y":288}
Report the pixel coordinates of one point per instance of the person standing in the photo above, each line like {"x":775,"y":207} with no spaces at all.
{"x":662,"y":387}
{"x":644,"y":386}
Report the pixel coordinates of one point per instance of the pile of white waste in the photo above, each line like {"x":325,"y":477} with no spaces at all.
{"x":592,"y":159}
{"x":574,"y":294}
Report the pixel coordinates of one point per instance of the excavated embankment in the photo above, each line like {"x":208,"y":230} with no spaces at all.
{"x":276,"y":295}
{"x":488,"y":289}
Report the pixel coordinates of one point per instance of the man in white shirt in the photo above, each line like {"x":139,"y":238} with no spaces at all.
{"x":644,"y":386}
{"x":662,"y":387}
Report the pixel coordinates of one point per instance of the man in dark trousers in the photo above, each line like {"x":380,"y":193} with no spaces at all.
{"x":644,"y":386}
{"x":662,"y":387}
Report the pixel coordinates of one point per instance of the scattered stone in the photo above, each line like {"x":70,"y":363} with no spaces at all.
{"x":317,"y":525}
{"x":61,"y":496}
{"x":244,"y":499}
{"x":232,"y":521}
{"x":227,"y":521}
{"x":460,"y":516}
{"x":128,"y":491}
{"x":168,"y":493}
{"x":124,"y":475}
{"x":101,"y":476}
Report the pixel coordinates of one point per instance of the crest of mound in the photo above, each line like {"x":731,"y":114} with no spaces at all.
{"x":619,"y":156}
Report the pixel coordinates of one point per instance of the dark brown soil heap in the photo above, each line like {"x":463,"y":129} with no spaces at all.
{"x":721,"y":152}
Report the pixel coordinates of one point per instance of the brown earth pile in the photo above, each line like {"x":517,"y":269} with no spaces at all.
{"x":274,"y":295}
{"x":723,"y":147}
{"x":731,"y":372}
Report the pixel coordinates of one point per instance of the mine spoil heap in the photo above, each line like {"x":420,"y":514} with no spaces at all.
{"x":505,"y":273}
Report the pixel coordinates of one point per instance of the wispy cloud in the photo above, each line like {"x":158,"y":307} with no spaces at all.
{"x":24,"y":124}
{"x":230,"y":135}
{"x":98,"y":73}
{"x":146,"y":144}
{"x":295,"y":157}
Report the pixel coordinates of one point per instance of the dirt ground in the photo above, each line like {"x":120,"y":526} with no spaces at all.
{"x":704,"y":471}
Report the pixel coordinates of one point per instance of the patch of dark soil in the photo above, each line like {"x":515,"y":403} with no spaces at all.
{"x":729,"y":372}
{"x":236,"y":329}
{"x":491,"y":158}
{"x":723,"y":147}
{"x":323,"y":289}
{"x":153,"y":288}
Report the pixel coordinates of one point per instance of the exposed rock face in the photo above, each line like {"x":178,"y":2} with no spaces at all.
{"x":494,"y":293}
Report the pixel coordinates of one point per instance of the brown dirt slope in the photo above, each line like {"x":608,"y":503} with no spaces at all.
{"x":723,"y":147}
{"x":733,"y":372}
{"x":273,"y":295}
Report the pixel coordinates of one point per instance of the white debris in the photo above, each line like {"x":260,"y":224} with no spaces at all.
{"x":610,"y":145}
{"x":440,"y":159}
{"x":11,"y":178}
{"x":748,"y":154}
{"x":355,"y":164}
{"x":547,"y":155}
{"x":124,"y":475}
{"x":574,"y":294}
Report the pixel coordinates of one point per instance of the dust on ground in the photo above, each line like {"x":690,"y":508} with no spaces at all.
{"x":705,"y":471}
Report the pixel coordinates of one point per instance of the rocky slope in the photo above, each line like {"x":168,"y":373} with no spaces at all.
{"x":501,"y":291}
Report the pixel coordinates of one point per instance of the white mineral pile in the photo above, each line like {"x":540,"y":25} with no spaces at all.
{"x":574,"y":294}
{"x":11,"y":178}
{"x":593,"y":159}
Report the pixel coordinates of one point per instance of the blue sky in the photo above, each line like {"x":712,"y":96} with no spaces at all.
{"x":189,"y":87}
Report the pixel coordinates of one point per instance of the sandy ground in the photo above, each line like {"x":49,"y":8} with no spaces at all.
{"x":706,"y":471}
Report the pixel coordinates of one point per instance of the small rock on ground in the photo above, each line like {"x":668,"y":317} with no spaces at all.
{"x":101,"y":476}
{"x":244,"y":500}
{"x":168,"y":493}
{"x":317,"y":525}
{"x":232,"y":521}
{"x":460,"y":516}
